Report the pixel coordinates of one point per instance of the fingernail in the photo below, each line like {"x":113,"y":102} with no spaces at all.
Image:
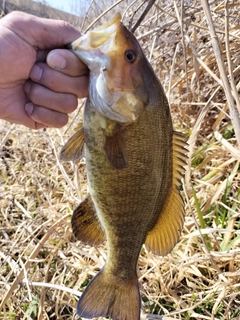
{"x":29,"y":108}
{"x":55,"y":61}
{"x":36,"y":73}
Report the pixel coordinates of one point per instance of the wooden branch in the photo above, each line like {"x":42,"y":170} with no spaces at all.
{"x":181,"y":23}
{"x":230,"y":67}
{"x":148,"y":7}
{"x":234,"y":115}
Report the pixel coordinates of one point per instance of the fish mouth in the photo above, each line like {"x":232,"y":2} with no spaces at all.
{"x":92,"y":43}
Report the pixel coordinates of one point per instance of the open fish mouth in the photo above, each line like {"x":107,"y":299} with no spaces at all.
{"x":95,"y":39}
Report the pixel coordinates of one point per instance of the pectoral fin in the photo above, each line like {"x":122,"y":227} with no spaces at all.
{"x":165,"y":234}
{"x":115,"y":148}
{"x":73,"y":149}
{"x":85,"y":224}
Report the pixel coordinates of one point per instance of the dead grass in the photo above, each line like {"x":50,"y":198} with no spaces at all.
{"x":43,"y":268}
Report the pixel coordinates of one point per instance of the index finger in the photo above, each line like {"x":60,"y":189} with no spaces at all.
{"x":66,"y":62}
{"x":41,"y":33}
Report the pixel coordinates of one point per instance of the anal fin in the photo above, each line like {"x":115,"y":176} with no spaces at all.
{"x":85,"y":224}
{"x":115,"y":148}
{"x":73,"y":149}
{"x":165,"y":234}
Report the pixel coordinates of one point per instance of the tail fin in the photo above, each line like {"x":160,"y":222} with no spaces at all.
{"x":110,"y":296}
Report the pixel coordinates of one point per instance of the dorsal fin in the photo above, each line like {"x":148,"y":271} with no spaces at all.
{"x":73,"y":149}
{"x":165,"y":234}
{"x":85,"y":224}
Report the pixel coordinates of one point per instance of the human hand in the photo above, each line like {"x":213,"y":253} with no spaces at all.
{"x":38,"y":87}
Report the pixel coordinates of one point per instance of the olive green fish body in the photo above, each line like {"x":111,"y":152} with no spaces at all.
{"x":134,"y":164}
{"x":127,"y":200}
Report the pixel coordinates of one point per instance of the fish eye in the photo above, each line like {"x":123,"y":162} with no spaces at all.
{"x":130,"y":55}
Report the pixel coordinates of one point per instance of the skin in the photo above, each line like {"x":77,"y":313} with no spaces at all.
{"x":40,"y":81}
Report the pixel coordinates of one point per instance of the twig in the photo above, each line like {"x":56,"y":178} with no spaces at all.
{"x":230,"y":68}
{"x":171,"y":73}
{"x":128,"y":7}
{"x":7,"y":134}
{"x":200,"y":233}
{"x":28,"y":263}
{"x":27,"y":214}
{"x":102,"y":14}
{"x":154,"y":316}
{"x":136,"y":9}
{"x":148,"y":7}
{"x":193,"y":138}
{"x":60,"y":165}
{"x":86,"y":14}
{"x":52,"y":286}
{"x":42,"y":293}
{"x":203,"y":64}
{"x":181,"y":22}
{"x":76,"y":116}
{"x":157,"y":29}
{"x":234,"y":115}
{"x":152,"y":48}
{"x":235,"y":153}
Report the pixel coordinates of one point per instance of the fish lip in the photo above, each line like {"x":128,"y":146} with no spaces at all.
{"x":94,"y":40}
{"x":115,"y":19}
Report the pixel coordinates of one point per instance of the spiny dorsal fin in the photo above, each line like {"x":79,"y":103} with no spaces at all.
{"x":165,"y":234}
{"x":85,"y":224}
{"x":115,"y":148}
{"x":73,"y":149}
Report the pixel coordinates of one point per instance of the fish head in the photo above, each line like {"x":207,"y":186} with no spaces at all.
{"x":116,"y":63}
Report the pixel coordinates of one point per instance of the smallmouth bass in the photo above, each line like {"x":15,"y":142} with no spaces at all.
{"x":134,"y":163}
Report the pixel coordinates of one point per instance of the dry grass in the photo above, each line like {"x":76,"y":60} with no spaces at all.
{"x":43,"y":268}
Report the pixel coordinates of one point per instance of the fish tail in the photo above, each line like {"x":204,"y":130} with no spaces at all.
{"x":110,"y":296}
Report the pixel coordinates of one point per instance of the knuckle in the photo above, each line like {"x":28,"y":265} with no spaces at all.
{"x":33,"y":92}
{"x":64,"y":25}
{"x":15,"y":15}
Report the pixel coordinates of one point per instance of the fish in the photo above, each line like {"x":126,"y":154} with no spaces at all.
{"x":135,"y":162}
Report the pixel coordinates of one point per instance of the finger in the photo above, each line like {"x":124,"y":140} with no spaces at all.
{"x":46,"y":117}
{"x":41,"y":33}
{"x":42,"y":96}
{"x":58,"y":81}
{"x":13,"y":111}
{"x":39,"y":126}
{"x":66,"y":62}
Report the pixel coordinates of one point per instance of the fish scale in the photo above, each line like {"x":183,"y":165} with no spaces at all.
{"x":134,"y":163}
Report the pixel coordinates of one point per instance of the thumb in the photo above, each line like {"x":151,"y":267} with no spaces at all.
{"x":40,"y":32}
